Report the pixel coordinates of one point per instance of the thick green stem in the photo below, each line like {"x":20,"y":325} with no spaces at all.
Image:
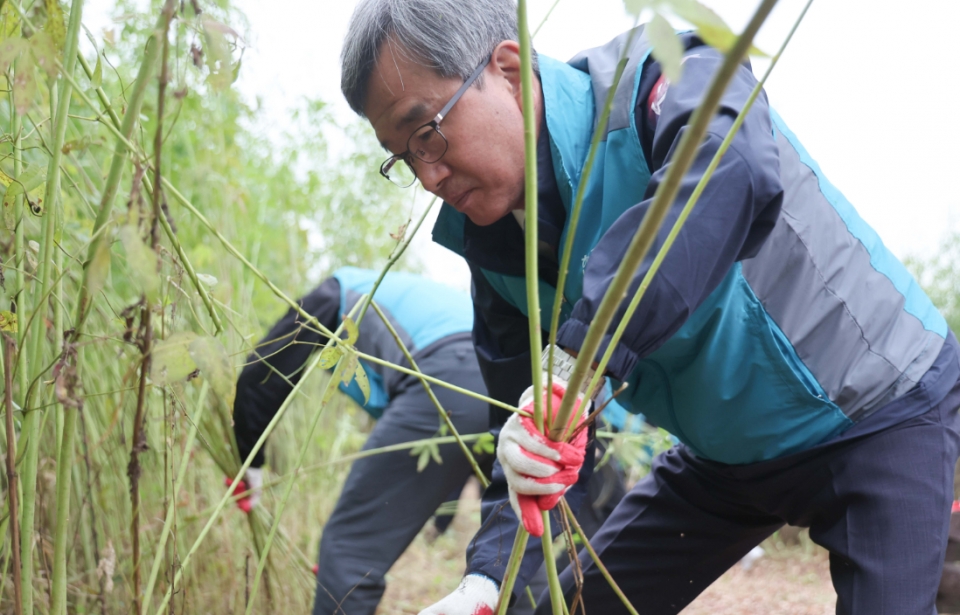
{"x":513,"y":567}
{"x":55,"y":210}
{"x":662,"y":202}
{"x":550,"y":563}
{"x":12,"y":490}
{"x":433,"y":398}
{"x":531,"y":223}
{"x":177,"y":485}
{"x":691,"y":203}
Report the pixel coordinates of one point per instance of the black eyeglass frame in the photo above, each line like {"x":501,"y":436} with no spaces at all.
{"x":406,"y":156}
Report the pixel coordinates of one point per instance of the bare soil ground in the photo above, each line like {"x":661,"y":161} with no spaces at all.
{"x":787,"y":581}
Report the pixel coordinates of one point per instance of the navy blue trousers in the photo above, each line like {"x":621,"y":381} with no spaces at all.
{"x":879,"y":502}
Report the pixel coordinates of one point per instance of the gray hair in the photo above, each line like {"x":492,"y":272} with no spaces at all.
{"x":451,"y":37}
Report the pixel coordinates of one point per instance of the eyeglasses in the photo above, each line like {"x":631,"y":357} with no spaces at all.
{"x":426,"y":143}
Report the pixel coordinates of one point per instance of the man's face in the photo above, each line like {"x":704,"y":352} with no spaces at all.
{"x":482,"y":172}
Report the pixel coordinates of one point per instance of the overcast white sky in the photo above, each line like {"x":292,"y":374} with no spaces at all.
{"x":872,"y":89}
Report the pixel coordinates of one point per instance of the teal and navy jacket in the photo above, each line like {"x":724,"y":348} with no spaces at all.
{"x":777,"y":322}
{"x":425,"y":314}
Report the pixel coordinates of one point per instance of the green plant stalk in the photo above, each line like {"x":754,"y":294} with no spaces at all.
{"x":690,"y":204}
{"x":54,"y":209}
{"x":20,"y":244}
{"x":531,"y":222}
{"x":596,"y":559}
{"x":513,"y":567}
{"x":662,"y":201}
{"x":438,"y":382}
{"x":550,"y":563}
{"x":545,"y":18}
{"x":139,"y":436}
{"x":596,"y":141}
{"x":278,"y":513}
{"x":177,"y":485}
{"x":433,"y":398}
{"x":12,"y":488}
{"x":134,"y":102}
{"x":312,"y":365}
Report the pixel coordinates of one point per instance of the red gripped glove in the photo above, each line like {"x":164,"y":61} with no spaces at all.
{"x":538,"y":470}
{"x":252,"y":481}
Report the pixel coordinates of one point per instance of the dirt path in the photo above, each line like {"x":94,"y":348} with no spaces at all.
{"x":788,"y":581}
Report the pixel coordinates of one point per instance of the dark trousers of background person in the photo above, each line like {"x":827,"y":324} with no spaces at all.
{"x":385,"y":502}
{"x":878,"y":501}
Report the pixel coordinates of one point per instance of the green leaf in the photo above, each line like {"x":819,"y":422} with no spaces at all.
{"x":363,"y":382}
{"x":330,"y":355}
{"x":331,"y":388}
{"x":142,"y":261}
{"x":435,"y":453}
{"x":484,"y":444}
{"x":352,"y":332}
{"x":710,"y":26}
{"x":8,"y":321}
{"x":423,"y":459}
{"x":635,"y":7}
{"x":34,"y":181}
{"x":170,"y":360}
{"x":45,"y":52}
{"x":9,"y":21}
{"x":99,"y":269}
{"x":97,"y":78}
{"x":55,"y":26}
{"x":214,"y":363}
{"x":667,"y":48}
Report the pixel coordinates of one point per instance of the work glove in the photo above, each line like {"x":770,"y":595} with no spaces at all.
{"x":252,"y":481}
{"x":538,"y":470}
{"x":476,"y":595}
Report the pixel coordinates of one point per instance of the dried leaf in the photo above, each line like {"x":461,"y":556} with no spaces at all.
{"x":10,"y":48}
{"x":107,"y":565}
{"x":24,"y":84}
{"x":8,"y":321}
{"x":350,"y":363}
{"x":170,"y":360}
{"x":214,"y":363}
{"x":45,"y":52}
{"x":667,"y":48}
{"x":143,"y":261}
{"x":330,"y":355}
{"x":352,"y":331}
{"x":55,"y":26}
{"x":217,"y":52}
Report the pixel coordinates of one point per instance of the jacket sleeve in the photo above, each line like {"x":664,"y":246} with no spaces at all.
{"x":502,"y":341}
{"x":274,"y":368}
{"x":734,"y":215}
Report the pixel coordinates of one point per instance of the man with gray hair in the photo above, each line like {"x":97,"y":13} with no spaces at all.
{"x":807,"y":376}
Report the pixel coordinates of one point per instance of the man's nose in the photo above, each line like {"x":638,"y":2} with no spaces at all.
{"x":432,"y":175}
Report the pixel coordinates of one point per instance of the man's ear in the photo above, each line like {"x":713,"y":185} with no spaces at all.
{"x":505,"y":62}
